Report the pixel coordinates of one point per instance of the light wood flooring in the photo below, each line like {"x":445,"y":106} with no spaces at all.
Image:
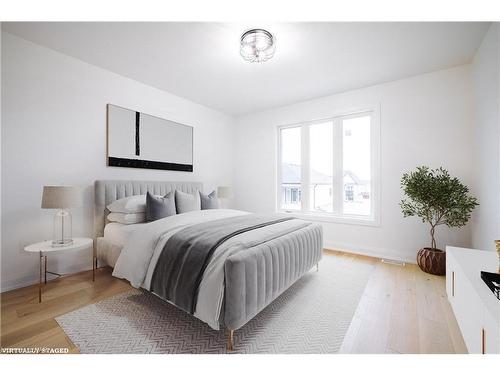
{"x":402,"y":310}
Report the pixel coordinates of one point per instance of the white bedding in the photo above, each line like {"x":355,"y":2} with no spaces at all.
{"x":115,"y":237}
{"x":118,"y":234}
{"x":139,"y":255}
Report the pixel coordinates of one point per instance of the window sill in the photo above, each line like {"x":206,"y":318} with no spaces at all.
{"x":351,"y":220}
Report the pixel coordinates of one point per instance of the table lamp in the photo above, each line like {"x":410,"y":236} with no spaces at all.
{"x":61,"y":198}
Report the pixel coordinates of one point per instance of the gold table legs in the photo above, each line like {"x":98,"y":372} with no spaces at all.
{"x":94,"y":259}
{"x":43,"y":270}
{"x":230,"y":340}
{"x":40,"y":280}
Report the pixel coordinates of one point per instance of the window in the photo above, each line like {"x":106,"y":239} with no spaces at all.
{"x":356,"y":165}
{"x":291,"y":195}
{"x":327,"y":168}
{"x":321,"y":166}
{"x":292,"y":169}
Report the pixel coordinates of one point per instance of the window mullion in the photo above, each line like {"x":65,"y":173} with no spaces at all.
{"x":305,"y":174}
{"x":279,"y":176}
{"x":337,"y":167}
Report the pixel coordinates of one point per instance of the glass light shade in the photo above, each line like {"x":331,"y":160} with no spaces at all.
{"x":257,"y":45}
{"x":62,"y":235}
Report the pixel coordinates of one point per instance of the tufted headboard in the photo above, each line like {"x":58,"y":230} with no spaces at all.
{"x":107,"y":191}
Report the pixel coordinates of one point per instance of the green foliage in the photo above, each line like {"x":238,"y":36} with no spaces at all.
{"x":437,"y":198}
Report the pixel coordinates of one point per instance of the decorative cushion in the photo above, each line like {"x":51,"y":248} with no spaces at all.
{"x":187,"y":202}
{"x":122,"y":218}
{"x":209,"y":201}
{"x":129,"y":205}
{"x":159,"y":207}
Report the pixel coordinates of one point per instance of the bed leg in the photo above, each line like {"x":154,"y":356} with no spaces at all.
{"x":230,"y":340}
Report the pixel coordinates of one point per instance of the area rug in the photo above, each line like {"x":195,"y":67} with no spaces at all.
{"x":312,"y":316}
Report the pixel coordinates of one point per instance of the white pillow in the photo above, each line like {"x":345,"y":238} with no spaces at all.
{"x":122,"y":218}
{"x":129,"y":205}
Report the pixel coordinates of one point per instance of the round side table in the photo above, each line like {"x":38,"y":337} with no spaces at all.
{"x":45,"y":247}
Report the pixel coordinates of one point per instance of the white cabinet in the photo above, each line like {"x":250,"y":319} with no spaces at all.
{"x":491,"y":334}
{"x":468,"y":311}
{"x":476,"y":308}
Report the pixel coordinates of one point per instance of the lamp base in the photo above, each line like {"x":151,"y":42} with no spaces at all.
{"x":62,"y":243}
{"x":62,"y":235}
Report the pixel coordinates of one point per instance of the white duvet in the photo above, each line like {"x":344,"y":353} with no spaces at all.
{"x":139,"y":256}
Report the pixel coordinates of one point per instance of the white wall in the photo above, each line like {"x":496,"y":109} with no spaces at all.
{"x":54,"y":132}
{"x":486,"y":146}
{"x":425,"y":120}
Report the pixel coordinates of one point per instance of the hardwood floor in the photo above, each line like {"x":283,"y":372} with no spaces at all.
{"x":27,"y":323}
{"x":402,"y":310}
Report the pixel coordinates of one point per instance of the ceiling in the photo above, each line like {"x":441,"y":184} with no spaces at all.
{"x":201,"y":61}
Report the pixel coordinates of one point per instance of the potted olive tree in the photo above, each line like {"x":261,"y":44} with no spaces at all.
{"x":436,"y":198}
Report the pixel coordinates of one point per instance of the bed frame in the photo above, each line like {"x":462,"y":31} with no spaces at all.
{"x":253,"y":278}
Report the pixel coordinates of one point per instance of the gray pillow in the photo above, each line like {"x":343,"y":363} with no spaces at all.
{"x":159,"y":207}
{"x":209,"y":201}
{"x":187,"y":202}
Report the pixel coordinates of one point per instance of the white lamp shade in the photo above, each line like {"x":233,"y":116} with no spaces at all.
{"x":61,"y":197}
{"x":224,"y":192}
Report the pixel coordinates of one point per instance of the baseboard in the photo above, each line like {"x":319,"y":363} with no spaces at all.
{"x":33,"y":279}
{"x":18,"y":283}
{"x":371,"y":252}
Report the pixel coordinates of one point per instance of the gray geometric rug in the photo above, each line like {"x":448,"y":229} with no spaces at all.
{"x":312,"y":316}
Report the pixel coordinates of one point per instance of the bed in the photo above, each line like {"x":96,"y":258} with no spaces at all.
{"x":222,"y":266}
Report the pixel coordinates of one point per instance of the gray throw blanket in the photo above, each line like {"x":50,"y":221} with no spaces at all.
{"x":179,"y":270}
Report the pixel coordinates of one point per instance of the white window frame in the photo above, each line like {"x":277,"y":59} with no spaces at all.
{"x":337,"y":216}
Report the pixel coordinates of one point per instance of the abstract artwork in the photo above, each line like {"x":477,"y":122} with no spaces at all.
{"x":139,"y":140}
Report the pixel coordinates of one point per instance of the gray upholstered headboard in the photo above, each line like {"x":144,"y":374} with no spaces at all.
{"x":107,"y":191}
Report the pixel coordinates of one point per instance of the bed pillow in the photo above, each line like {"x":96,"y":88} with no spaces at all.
{"x":158,"y":207}
{"x":185,"y":202}
{"x":120,"y":217}
{"x":209,"y":201}
{"x":129,"y":205}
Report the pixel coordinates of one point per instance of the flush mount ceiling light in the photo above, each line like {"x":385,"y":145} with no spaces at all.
{"x":257,"y":45}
